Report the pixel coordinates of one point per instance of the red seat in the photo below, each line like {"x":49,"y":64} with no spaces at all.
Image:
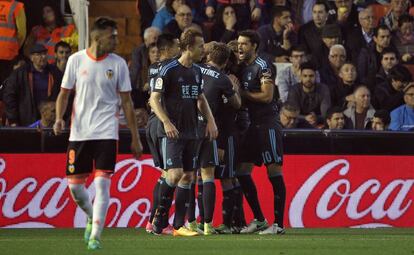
{"x":411,"y":69}
{"x":380,"y":11}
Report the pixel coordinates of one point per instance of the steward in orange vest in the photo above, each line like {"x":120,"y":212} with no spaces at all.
{"x":12,"y":28}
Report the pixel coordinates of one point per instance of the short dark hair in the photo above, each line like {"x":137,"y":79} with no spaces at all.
{"x":252,"y":35}
{"x":188,"y":38}
{"x":380,"y":27}
{"x":62,"y":44}
{"x":299,"y":47}
{"x":278,"y":11}
{"x":290,"y":108}
{"x":405,"y":18}
{"x":321,"y":2}
{"x":102,"y":23}
{"x":384,"y":115}
{"x":165,"y":41}
{"x":400,"y":73}
{"x":219,"y":53}
{"x":331,"y":111}
{"x":307,"y":65}
{"x":389,"y":50}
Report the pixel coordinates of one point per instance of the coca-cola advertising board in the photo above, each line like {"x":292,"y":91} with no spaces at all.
{"x":322,"y":191}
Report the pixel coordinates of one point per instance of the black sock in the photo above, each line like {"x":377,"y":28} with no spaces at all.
{"x":250,"y":192}
{"x":238,"y":213}
{"x":155,"y":197}
{"x":209,"y":200}
{"x":165,"y":196}
{"x":227,"y":206}
{"x":191,"y":204}
{"x":181,"y":199}
{"x":279,"y":193}
{"x":200,"y":201}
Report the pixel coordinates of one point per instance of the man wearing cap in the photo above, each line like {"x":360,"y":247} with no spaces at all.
{"x":331,"y":35}
{"x":402,"y":118}
{"x":27,"y":87}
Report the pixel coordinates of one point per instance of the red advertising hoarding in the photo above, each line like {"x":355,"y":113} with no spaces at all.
{"x":322,"y":191}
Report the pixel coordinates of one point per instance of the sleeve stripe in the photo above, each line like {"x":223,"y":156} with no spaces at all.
{"x":168,"y":66}
{"x":261,"y":62}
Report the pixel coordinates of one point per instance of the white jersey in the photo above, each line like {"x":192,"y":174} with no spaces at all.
{"x":96,"y":105}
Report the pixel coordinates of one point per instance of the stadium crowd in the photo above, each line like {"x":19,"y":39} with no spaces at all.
{"x":324,"y":52}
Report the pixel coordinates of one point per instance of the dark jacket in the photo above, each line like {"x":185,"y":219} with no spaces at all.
{"x":328,"y":76}
{"x":310,"y":36}
{"x":368,"y":65}
{"x":386,"y":97}
{"x":355,"y":41}
{"x":339,"y":92}
{"x":21,"y":107}
{"x":271,"y":41}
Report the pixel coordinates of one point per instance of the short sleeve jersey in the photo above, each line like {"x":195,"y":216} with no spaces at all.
{"x":251,"y":78}
{"x":97,"y":83}
{"x":181,"y":87}
{"x":216,"y":86}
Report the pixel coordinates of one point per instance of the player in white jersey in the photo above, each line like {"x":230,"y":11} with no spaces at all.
{"x":100,"y":79}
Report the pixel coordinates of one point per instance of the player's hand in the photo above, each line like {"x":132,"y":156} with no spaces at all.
{"x":170,"y":130}
{"x":136,"y":148}
{"x":58,"y":126}
{"x":210,"y":12}
{"x":211,"y":130}
{"x":256,"y":13}
{"x":235,"y":82}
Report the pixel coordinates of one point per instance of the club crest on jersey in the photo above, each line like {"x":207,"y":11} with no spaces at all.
{"x":109,"y":74}
{"x":180,"y":79}
{"x":158,"y":83}
{"x":71,"y":169}
{"x":249,"y":76}
{"x":197,"y":78}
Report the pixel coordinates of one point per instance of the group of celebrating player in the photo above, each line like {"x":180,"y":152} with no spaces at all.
{"x":215,"y":112}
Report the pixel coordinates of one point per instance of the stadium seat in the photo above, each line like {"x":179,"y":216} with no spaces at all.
{"x":380,"y":11}
{"x":208,"y":25}
{"x":411,"y":69}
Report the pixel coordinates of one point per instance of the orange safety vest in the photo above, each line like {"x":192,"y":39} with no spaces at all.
{"x":49,"y":40}
{"x":9,"y":46}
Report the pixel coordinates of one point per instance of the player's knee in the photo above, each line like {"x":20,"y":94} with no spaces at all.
{"x":207,"y":173}
{"x":174,"y":176}
{"x":187,"y":178}
{"x":274,"y":170}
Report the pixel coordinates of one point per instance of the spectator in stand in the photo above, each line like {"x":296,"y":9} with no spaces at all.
{"x":311,"y":98}
{"x":62,"y":53}
{"x":142,"y":92}
{"x":139,"y":59}
{"x":310,"y":33}
{"x":402,"y":118}
{"x":166,"y":14}
{"x":389,"y":58}
{"x":242,"y":8}
{"x":360,"y":112}
{"x":28,"y":86}
{"x":289,"y":118}
{"x":398,"y":8}
{"x":225,"y":26}
{"x":50,"y":32}
{"x":302,"y":10}
{"x":47,"y":111}
{"x":148,"y":11}
{"x":278,"y":34}
{"x":335,"y":118}
{"x":381,"y":120}
{"x":345,"y":87}
{"x":404,"y":38}
{"x":345,"y":13}
{"x":13,"y":33}
{"x":330,"y":71}
{"x":183,"y":20}
{"x":389,"y":94}
{"x":369,"y":59}
{"x":361,"y":37}
{"x":331,"y":35}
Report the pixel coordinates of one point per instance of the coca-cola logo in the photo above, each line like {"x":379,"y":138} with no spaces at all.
{"x":391,"y":200}
{"x":51,"y":199}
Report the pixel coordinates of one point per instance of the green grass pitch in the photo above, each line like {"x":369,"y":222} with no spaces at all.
{"x":131,"y":241}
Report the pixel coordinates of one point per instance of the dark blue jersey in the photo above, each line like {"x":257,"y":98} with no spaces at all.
{"x":181,"y":87}
{"x":251,"y":77}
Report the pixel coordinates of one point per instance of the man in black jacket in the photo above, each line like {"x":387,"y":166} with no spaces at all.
{"x":28,"y":86}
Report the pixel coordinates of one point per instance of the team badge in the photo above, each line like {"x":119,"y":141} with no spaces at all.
{"x":158,"y":83}
{"x":71,"y":169}
{"x":71,"y":156}
{"x":180,"y":79}
{"x":109,"y":74}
